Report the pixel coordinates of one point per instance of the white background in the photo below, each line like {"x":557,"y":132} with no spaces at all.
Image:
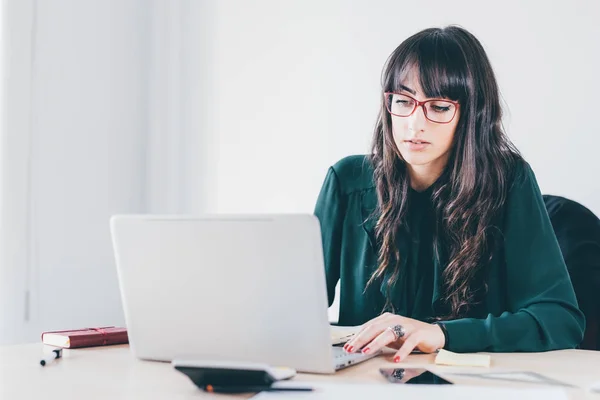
{"x":235,"y":106}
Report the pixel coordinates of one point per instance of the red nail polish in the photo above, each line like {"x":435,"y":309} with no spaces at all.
{"x":350,"y":349}
{"x":366,"y":350}
{"x":397,"y":359}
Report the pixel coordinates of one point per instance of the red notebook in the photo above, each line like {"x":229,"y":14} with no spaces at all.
{"x":86,"y":337}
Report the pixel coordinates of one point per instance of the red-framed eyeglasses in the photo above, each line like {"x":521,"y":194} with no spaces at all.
{"x":440,"y":111}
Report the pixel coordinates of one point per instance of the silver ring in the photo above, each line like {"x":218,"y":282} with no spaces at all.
{"x":398,"y":331}
{"x":398,"y":374}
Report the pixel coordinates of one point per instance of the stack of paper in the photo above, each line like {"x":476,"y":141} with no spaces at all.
{"x":445,"y":357}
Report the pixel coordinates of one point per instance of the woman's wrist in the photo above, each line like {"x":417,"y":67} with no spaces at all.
{"x":442,"y":327}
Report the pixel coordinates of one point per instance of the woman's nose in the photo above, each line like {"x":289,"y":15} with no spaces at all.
{"x":417,"y":120}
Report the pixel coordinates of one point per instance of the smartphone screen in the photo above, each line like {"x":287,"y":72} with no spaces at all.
{"x":413,"y":376}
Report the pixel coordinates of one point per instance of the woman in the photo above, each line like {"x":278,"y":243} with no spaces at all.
{"x":440,"y":237}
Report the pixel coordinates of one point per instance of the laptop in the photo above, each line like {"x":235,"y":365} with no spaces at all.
{"x":246,"y":288}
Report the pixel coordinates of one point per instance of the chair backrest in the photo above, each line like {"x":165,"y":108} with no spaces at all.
{"x":578,"y":232}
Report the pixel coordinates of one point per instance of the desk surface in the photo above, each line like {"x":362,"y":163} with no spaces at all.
{"x":112,"y":372}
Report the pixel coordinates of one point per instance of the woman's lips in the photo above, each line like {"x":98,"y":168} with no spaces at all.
{"x":416,"y":145}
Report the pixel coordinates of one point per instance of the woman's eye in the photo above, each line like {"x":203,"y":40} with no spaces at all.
{"x":440,"y":109}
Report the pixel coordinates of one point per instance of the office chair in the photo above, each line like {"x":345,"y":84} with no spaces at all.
{"x":578,"y":232}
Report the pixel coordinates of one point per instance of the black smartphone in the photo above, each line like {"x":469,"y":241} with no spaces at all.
{"x":413,"y":376}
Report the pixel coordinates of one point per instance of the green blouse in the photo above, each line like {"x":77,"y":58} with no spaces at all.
{"x":529,"y":304}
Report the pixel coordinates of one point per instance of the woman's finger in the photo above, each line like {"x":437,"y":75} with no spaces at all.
{"x":384,"y":338}
{"x":371,"y":329}
{"x":364,"y":326}
{"x":368,"y":334}
{"x":408,"y":346}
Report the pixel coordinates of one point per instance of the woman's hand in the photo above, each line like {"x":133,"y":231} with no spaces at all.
{"x":377,"y":333}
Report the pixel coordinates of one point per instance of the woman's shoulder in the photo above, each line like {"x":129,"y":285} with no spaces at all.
{"x":522,"y":175}
{"x":354,"y":173}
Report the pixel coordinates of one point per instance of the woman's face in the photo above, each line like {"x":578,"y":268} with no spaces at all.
{"x":420,"y":141}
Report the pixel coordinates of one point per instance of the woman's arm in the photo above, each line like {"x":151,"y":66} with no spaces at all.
{"x":330,"y":211}
{"x":542,"y":310}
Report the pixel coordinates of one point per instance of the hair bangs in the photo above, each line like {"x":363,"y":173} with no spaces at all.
{"x":439,"y":63}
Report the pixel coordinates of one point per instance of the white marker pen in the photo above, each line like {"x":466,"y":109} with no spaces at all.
{"x":56,"y":354}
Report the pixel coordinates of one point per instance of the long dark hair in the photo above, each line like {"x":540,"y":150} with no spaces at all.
{"x":473,"y":187}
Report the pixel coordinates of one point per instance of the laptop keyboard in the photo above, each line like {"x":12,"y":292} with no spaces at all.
{"x":341,"y":358}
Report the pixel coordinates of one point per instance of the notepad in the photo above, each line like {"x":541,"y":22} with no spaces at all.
{"x":86,"y":337}
{"x":445,"y":357}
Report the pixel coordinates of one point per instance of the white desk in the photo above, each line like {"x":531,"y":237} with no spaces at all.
{"x":112,"y":373}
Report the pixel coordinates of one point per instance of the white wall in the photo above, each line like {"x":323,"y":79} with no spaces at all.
{"x":304,"y":79}
{"x":106,"y":84}
{"x":90,"y":113}
{"x":101,"y":119}
{"x":15,"y":145}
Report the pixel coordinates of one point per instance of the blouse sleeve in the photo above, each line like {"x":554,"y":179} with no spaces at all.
{"x":330,"y":212}
{"x":542,"y":312}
